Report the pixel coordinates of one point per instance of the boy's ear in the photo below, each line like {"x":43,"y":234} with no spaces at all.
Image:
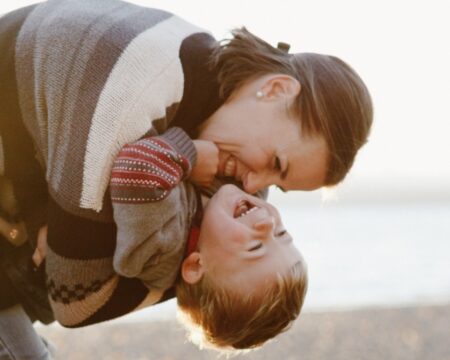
{"x":192,"y":268}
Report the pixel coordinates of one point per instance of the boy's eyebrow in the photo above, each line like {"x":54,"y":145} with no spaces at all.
{"x":289,"y":239}
{"x":255,"y":256}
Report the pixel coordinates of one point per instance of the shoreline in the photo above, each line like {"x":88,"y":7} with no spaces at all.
{"x":411,"y":332}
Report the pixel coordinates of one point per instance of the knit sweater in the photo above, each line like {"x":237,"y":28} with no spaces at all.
{"x":153,"y":208}
{"x":80,"y":79}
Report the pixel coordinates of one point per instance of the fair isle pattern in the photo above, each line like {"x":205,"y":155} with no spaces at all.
{"x":145,"y":171}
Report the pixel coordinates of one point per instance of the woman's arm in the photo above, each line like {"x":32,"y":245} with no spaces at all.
{"x":82,"y":285}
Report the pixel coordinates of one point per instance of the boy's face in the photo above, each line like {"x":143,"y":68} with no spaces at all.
{"x":242,"y":243}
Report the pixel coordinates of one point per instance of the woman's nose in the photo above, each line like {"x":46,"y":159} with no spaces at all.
{"x":256,"y":181}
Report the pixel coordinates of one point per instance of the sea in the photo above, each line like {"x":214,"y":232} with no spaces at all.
{"x":363,"y":254}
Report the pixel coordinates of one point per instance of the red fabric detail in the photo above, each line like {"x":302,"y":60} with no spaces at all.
{"x":130,"y":154}
{"x":149,"y":147}
{"x":135,"y":175}
{"x":146,"y":171}
{"x":193,"y":240}
{"x":194,"y":234}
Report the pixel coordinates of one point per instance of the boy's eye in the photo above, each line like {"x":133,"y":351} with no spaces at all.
{"x":281,"y":233}
{"x":256,"y":247}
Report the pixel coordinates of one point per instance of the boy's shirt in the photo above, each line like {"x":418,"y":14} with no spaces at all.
{"x":153,"y":208}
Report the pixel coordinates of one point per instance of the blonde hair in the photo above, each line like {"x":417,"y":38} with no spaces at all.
{"x":333,"y":102}
{"x":225,"y":319}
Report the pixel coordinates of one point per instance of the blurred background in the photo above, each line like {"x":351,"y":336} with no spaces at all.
{"x":378,"y":245}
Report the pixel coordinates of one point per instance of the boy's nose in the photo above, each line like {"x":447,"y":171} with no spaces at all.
{"x":266,"y":225}
{"x":256,"y":181}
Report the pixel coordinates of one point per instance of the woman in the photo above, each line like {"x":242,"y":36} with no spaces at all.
{"x":83,"y":78}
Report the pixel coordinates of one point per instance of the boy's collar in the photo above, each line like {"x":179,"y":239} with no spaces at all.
{"x":192,"y":243}
{"x":194,"y":233}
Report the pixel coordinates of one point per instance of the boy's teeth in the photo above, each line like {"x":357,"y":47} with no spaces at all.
{"x":249,"y":211}
{"x":230,"y":167}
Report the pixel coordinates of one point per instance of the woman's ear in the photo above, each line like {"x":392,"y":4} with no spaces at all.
{"x":192,"y":268}
{"x":280,"y":85}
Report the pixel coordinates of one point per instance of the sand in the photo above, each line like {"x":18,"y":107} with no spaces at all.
{"x":409,"y":333}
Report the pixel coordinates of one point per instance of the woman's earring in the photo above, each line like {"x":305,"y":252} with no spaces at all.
{"x":259,"y":94}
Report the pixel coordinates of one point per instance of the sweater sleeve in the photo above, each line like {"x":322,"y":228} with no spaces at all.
{"x":150,"y":207}
{"x":82,"y":285}
{"x":147,"y":170}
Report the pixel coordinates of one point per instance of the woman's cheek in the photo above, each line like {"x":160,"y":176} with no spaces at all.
{"x":253,"y":162}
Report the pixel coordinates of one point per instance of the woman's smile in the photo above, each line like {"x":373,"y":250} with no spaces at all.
{"x":230,"y":166}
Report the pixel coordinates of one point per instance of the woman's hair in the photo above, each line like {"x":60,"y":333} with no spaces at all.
{"x":333,"y":101}
{"x":224,"y":319}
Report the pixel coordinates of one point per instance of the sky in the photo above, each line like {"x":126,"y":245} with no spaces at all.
{"x":399,"y":48}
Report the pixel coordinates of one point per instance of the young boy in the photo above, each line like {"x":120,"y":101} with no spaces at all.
{"x":242,"y":281}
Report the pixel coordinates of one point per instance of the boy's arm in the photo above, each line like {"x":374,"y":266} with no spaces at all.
{"x":151,"y":207}
{"x":147,"y":170}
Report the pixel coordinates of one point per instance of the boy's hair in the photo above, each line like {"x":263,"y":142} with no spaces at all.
{"x":224,"y":319}
{"x":333,"y":102}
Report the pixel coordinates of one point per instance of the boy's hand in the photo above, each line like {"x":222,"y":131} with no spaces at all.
{"x":205,"y":169}
{"x":41,"y":247}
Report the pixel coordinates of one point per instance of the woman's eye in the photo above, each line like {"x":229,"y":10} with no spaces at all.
{"x":256,"y":247}
{"x":277,"y":164}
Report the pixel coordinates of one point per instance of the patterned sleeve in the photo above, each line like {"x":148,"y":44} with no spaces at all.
{"x":150,"y":208}
{"x":148,"y":169}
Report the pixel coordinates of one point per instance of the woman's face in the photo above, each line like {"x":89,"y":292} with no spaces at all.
{"x":260,"y":144}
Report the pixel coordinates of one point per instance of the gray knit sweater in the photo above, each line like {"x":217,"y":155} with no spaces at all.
{"x":153,"y":208}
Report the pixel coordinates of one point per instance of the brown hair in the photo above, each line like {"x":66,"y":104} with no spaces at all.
{"x":226,"y":319}
{"x":333,"y":101}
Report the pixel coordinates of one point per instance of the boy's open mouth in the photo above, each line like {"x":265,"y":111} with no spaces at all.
{"x":243,"y":208}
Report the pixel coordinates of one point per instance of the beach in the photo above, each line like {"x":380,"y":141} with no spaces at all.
{"x":409,"y":333}
{"x":375,"y":265}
